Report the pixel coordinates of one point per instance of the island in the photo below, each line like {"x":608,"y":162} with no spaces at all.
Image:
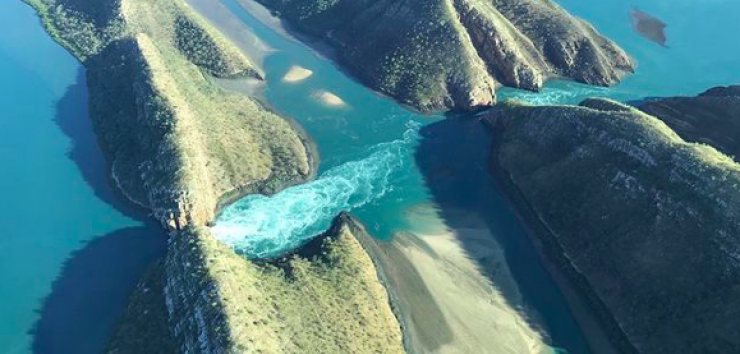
{"x":640,"y":220}
{"x":453,"y":54}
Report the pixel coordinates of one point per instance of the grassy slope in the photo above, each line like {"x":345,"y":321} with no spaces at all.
{"x":646,"y":221}
{"x":175,"y":142}
{"x":712,"y":118}
{"x":325,"y":299}
{"x":453,"y":53}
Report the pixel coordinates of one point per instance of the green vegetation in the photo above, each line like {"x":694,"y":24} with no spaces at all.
{"x":324,"y":299}
{"x":712,"y":118}
{"x":646,"y":224}
{"x":175,"y":142}
{"x":453,"y":53}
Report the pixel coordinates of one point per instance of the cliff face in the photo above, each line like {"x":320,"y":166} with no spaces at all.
{"x":711,"y":118}
{"x":646,"y":224}
{"x":175,"y":143}
{"x":454,"y":53}
{"x":326,"y":298}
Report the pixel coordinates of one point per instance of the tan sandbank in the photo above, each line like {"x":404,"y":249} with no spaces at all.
{"x":296,"y":74}
{"x":451,"y":301}
{"x":328,"y":98}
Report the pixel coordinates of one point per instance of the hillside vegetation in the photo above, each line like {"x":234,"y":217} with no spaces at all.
{"x":326,"y":298}
{"x":435,"y":54}
{"x":175,"y":142}
{"x":712,"y":118}
{"x":646,"y":224}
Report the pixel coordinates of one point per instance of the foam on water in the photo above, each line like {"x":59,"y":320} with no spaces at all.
{"x":268,"y":226}
{"x":555,"y":93}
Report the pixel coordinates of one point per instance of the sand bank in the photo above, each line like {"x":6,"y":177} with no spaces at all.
{"x":452,"y":301}
{"x":328,"y":98}
{"x":297,"y":73}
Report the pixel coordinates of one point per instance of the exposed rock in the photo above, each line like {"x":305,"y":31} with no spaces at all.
{"x":453,"y":53}
{"x":711,"y":118}
{"x":645,"y":224}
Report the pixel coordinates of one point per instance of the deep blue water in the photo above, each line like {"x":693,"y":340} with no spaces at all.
{"x":70,"y":253}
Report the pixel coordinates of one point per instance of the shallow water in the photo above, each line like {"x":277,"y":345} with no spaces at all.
{"x":348,"y":138}
{"x":70,"y":255}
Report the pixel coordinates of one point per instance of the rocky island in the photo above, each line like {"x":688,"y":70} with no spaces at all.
{"x":454,"y":53}
{"x":180,"y":146}
{"x":642,"y":222}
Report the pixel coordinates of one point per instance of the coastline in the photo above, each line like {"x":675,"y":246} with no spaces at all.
{"x":600,"y":329}
{"x":312,"y":154}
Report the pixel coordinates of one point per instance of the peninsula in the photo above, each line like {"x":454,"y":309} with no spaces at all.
{"x":641,"y":221}
{"x":180,"y":146}
{"x":453,"y":54}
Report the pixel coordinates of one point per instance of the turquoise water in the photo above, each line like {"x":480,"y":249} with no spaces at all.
{"x":70,"y":254}
{"x":702,"y":49}
{"x":380,"y":166}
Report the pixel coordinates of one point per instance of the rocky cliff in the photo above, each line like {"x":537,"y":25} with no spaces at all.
{"x":711,"y":118}
{"x":324,"y":298}
{"x":454,"y":53}
{"x":646,"y":224}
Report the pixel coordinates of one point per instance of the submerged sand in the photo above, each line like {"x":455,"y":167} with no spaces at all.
{"x":328,"y":98}
{"x":450,"y":300}
{"x":297,"y":73}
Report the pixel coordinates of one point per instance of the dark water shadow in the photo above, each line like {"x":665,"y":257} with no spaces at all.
{"x":73,"y":119}
{"x":453,"y":157}
{"x":91,"y":292}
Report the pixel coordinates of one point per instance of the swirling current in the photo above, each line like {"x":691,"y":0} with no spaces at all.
{"x":267,"y":226}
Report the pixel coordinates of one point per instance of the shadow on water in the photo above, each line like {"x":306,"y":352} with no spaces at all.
{"x":92,"y":289}
{"x":73,"y":119}
{"x":453,"y":157}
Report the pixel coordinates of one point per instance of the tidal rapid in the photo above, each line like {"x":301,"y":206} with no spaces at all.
{"x":267,"y":226}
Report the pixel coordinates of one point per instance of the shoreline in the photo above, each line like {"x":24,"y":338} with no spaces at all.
{"x":450,"y":301}
{"x":322,"y":47}
{"x":258,"y":187}
{"x":600,"y":336}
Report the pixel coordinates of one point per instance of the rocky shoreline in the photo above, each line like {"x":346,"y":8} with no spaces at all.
{"x":447,"y":54}
{"x":600,"y":329}
{"x":658,"y":280}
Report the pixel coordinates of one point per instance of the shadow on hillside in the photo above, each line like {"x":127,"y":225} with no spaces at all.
{"x":454,"y":157}
{"x":92,"y":289}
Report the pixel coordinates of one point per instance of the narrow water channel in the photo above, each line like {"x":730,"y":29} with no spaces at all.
{"x":373,"y":166}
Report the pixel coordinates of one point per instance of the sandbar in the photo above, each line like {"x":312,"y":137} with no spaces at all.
{"x":297,"y":73}
{"x":328,"y":98}
{"x":450,"y":300}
